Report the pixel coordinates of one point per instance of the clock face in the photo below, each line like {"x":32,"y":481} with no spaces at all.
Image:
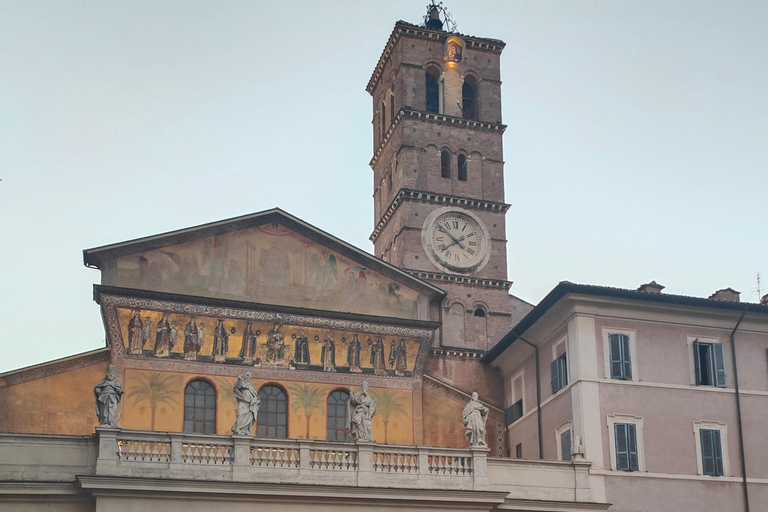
{"x":456,"y":239}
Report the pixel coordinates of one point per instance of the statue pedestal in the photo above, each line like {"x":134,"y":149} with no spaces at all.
{"x":106,"y":461}
{"x":480,"y":467}
{"x":241,"y":457}
{"x":365,"y":472}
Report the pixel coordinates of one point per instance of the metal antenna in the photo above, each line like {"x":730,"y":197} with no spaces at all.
{"x":759,"y":289}
{"x":436,"y":11}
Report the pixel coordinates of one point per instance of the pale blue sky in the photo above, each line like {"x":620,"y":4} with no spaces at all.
{"x":636,"y":146}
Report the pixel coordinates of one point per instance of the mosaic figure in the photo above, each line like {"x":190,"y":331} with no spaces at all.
{"x":328,"y":353}
{"x":135,"y":333}
{"x":360,"y":410}
{"x":163,"y":344}
{"x":275,"y":343}
{"x":398,"y":357}
{"x":146,"y":331}
{"x":250,"y":343}
{"x":108,"y":394}
{"x":192,"y":341}
{"x":474,"y":417}
{"x":220,"y":342}
{"x":353,"y":354}
{"x":247,"y":406}
{"x":377,"y":356}
{"x":301,"y":350}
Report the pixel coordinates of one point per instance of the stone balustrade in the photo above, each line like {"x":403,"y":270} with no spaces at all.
{"x":132,"y":453}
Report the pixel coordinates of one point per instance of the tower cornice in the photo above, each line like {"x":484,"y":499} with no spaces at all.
{"x":403,"y":28}
{"x":406,"y":194}
{"x":444,"y":277}
{"x":440,"y":119}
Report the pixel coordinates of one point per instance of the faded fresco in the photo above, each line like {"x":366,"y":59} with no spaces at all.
{"x":443,"y":422}
{"x":62,"y":403}
{"x":155,"y":401}
{"x":267,"y":264}
{"x":263,"y":343}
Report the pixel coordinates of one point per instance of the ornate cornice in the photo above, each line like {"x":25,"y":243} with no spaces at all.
{"x":407,"y":194}
{"x":49,"y":368}
{"x":402,"y":28}
{"x":457,"y":353}
{"x":440,"y":119}
{"x":442,"y":277}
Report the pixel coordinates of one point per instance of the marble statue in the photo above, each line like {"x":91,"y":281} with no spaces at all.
{"x":360,"y":410}
{"x":475,"y":415}
{"x":108,"y":394}
{"x":248,"y":402}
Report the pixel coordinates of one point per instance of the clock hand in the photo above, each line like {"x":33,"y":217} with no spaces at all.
{"x":455,"y":241}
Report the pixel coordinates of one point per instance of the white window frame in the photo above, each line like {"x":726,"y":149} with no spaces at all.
{"x":513,"y":396}
{"x":692,"y":362}
{"x":711,"y":425}
{"x":607,"y":331}
{"x":568,"y":425}
{"x":611,"y":420}
{"x":562,"y":341}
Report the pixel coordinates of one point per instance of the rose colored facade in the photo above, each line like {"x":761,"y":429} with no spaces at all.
{"x":670,"y":398}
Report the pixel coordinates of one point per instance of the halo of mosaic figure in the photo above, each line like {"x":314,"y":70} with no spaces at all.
{"x":360,"y":410}
{"x":474,"y":417}
{"x":274,"y":347}
{"x":108,"y":394}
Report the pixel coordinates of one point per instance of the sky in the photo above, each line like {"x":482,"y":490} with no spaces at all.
{"x":635,"y":149}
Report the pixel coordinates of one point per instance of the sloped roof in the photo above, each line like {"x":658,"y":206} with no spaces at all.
{"x":97,"y":256}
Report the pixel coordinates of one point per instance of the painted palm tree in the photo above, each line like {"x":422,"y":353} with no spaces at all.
{"x":155,"y":388}
{"x":307,"y":398}
{"x":389,"y":405}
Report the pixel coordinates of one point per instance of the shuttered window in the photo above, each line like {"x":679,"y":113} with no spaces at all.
{"x":559,"y":369}
{"x":515,"y":411}
{"x":709,"y":360}
{"x":625,"y":435}
{"x":621,"y":362}
{"x":565,"y":445}
{"x":711,"y":452}
{"x":519,"y":451}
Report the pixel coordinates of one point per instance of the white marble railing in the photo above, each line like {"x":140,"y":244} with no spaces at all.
{"x":237,"y":458}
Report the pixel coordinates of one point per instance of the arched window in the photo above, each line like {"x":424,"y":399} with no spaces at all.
{"x":383,"y":120}
{"x":199,"y":408}
{"x":462,"y":171}
{"x":445,"y":164}
{"x":469,"y":97}
{"x":480,"y":312}
{"x":391,"y":108}
{"x":337,"y":416}
{"x":272,"y":420}
{"x":433,"y":90}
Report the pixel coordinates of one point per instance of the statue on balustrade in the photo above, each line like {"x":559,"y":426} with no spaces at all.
{"x":360,"y":410}
{"x":248,"y":402}
{"x":108,"y":394}
{"x":475,"y":415}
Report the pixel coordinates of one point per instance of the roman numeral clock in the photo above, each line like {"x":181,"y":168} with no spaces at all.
{"x":455,"y":240}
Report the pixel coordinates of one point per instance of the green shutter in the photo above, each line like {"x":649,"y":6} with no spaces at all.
{"x":616,"y":357}
{"x":626,"y":359}
{"x":622,"y":447}
{"x":565,"y":445}
{"x":554,"y":367}
{"x":719,"y":362}
{"x":563,"y":370}
{"x":711,"y":452}
{"x":632,"y":446}
{"x":696,"y":362}
{"x":717,"y":452}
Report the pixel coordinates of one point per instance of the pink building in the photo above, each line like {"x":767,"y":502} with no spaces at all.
{"x":666,"y":395}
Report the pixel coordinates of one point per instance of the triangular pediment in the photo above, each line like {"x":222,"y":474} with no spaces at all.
{"x":269,"y":257}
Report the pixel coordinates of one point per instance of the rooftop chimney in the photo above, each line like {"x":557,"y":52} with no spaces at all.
{"x":652,"y":287}
{"x":726,"y":295}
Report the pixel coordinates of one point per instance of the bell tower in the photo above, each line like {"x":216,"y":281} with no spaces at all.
{"x":438,"y":172}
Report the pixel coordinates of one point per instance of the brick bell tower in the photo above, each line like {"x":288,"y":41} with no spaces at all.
{"x":438,"y":172}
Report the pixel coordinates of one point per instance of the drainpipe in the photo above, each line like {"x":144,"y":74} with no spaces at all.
{"x":538,"y":391}
{"x":738,"y":412}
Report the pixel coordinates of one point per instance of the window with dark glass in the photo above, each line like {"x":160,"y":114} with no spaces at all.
{"x":480,"y":312}
{"x":625,"y":435}
{"x":709,"y":360}
{"x":272,"y":420}
{"x":433,"y":90}
{"x":469,"y":98}
{"x":711,"y":452}
{"x":519,"y":451}
{"x":559,"y":368}
{"x":515,"y":412}
{"x":200,"y":408}
{"x":391,"y":108}
{"x":462,"y":171}
{"x":565,"y":445}
{"x":336,"y":428}
{"x":621,"y":363}
{"x":445,"y":164}
{"x":383,"y":120}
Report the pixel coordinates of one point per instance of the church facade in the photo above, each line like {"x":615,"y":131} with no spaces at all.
{"x":365,"y":372}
